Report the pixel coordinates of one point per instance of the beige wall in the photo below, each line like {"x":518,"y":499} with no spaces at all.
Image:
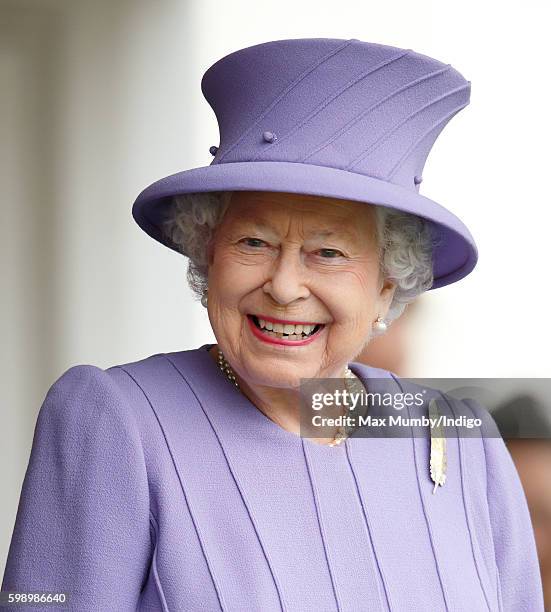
{"x":96,"y":104}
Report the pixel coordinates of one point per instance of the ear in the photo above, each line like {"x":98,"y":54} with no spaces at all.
{"x":386,"y":294}
{"x":210,"y":252}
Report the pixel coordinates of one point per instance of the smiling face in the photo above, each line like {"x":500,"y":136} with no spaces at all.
{"x":278,"y":259}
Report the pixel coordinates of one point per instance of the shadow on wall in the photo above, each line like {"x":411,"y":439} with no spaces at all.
{"x":532,"y":457}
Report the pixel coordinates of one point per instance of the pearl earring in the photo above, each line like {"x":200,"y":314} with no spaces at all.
{"x":204,"y":298}
{"x":380,"y":324}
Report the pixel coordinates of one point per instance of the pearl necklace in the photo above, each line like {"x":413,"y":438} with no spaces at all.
{"x":342,"y":431}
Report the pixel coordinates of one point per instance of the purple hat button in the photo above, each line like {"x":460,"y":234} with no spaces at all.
{"x":269,"y":136}
{"x":213,"y":150}
{"x":417,"y":179}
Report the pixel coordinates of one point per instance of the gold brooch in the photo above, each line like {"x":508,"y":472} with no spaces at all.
{"x":438,"y":459}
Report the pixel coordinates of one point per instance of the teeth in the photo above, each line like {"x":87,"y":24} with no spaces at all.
{"x":293,"y":332}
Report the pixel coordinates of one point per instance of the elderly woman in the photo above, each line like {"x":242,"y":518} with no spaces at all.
{"x":182,"y":481}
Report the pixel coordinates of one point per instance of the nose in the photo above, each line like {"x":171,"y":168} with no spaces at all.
{"x":287,"y":281}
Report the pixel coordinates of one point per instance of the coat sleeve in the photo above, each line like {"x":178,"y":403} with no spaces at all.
{"x":518,"y":568}
{"x":82,"y":524}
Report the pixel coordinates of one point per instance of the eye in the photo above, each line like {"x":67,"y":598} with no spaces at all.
{"x":330,"y":253}
{"x":252,"y":242}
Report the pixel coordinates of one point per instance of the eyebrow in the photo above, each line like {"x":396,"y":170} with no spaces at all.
{"x":316,"y":233}
{"x":329,"y":233}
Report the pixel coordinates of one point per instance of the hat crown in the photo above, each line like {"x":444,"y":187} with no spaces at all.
{"x":362,"y":107}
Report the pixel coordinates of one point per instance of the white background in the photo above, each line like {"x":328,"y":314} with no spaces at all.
{"x":99,"y":99}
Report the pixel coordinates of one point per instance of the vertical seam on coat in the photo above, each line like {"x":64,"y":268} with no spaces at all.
{"x":107,"y":371}
{"x":467,"y":514}
{"x":286,"y":91}
{"x":320,"y":524}
{"x":425,"y":513}
{"x":158,"y":584}
{"x":498,"y":588}
{"x":238,"y":486}
{"x":197,"y":530}
{"x":119,"y":367}
{"x":370,"y":535}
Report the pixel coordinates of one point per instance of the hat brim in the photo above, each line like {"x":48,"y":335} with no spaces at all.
{"x":455,"y":253}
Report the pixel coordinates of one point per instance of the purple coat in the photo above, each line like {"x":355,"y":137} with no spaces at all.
{"x":157,"y":485}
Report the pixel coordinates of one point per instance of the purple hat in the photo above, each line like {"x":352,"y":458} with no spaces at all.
{"x":329,"y":117}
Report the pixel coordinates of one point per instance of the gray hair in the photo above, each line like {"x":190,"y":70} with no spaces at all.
{"x":405,"y":240}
